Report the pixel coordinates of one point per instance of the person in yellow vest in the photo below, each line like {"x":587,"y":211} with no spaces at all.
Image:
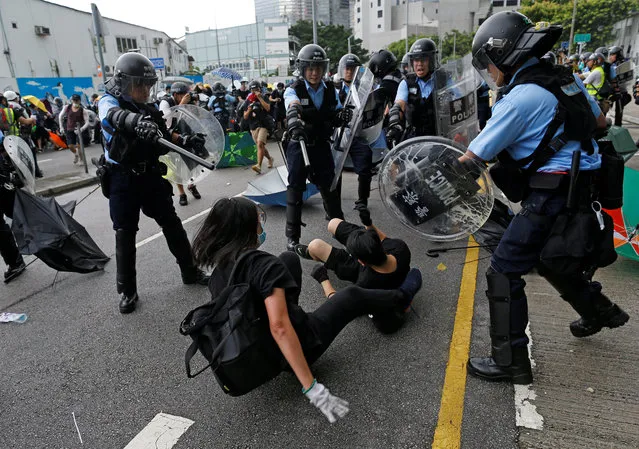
{"x":595,"y":81}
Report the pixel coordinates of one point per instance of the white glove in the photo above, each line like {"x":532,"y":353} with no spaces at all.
{"x":332,"y":406}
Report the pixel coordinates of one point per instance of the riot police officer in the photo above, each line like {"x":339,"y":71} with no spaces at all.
{"x":8,"y":248}
{"x":130,"y":127}
{"x":360,"y":152}
{"x":538,"y":149}
{"x":415,"y":102}
{"x":313,"y":110}
{"x":620,"y":93}
{"x":405,"y":65}
{"x":218,"y":104}
{"x":383,"y":64}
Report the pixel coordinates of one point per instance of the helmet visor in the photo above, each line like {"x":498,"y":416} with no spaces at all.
{"x":305,"y":65}
{"x":130,"y":84}
{"x":482,"y":63}
{"x":347,"y":71}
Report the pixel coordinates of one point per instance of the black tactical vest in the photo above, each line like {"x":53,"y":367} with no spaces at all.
{"x":127,"y":149}
{"x":319,"y":122}
{"x":420,"y":112}
{"x":573,"y":110}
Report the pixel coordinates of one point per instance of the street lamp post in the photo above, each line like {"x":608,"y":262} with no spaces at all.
{"x":314,"y":22}
{"x":572,"y":27}
{"x":349,"y":42}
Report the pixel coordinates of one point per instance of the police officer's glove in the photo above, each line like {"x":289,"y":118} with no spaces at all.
{"x":147,"y":130}
{"x":297,"y":134}
{"x":394,"y":132}
{"x":331,"y":406}
{"x":344,"y":116}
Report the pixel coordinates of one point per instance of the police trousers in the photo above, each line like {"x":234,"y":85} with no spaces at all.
{"x":322,"y":165}
{"x":519,"y":252}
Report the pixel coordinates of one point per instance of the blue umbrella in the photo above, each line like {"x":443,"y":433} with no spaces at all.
{"x":227,"y":73}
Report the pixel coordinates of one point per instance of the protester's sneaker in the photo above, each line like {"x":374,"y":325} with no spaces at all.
{"x":76,"y":158}
{"x":14,"y":271}
{"x":410,"y":287}
{"x":302,"y":251}
{"x":256,"y":169}
{"x":319,"y":273}
{"x":183,"y":200}
{"x":292,"y":242}
{"x":270,"y":162}
{"x":194,"y":192}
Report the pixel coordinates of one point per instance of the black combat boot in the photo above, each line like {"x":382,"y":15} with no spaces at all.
{"x":363,"y":192}
{"x":518,"y":372}
{"x":126,"y":274}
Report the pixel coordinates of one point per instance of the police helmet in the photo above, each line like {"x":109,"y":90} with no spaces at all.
{"x":311,"y":55}
{"x":179,"y":88}
{"x":596,"y":57}
{"x":255,"y":85}
{"x":382,"y":63}
{"x":603,"y":51}
{"x":405,"y":64}
{"x":574,"y":58}
{"x":424,"y":48}
{"x":617,"y":51}
{"x":10,"y":95}
{"x":585,"y":55}
{"x":131,"y":70}
{"x":550,"y":57}
{"x":218,"y":88}
{"x":348,"y":61}
{"x":508,"y":39}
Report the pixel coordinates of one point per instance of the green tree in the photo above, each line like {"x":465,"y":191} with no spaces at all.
{"x":457,"y":41}
{"x":333,"y":38}
{"x":594,"y":17}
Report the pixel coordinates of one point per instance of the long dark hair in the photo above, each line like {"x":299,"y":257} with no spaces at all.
{"x":229,"y":229}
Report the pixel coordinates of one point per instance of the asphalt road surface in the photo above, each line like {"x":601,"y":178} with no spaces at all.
{"x":77,"y":358}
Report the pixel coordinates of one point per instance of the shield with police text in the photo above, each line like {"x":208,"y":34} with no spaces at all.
{"x":456,"y":84}
{"x":22,"y":159}
{"x":425,"y":186}
{"x":190,"y":119}
{"x":357,"y":99}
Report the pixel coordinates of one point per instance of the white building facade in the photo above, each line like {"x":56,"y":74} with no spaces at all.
{"x":380,"y":22}
{"x":328,"y":12}
{"x":253,"y":50}
{"x":42,"y":40}
{"x":626,"y":34}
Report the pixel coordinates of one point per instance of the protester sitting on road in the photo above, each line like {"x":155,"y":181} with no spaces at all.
{"x":71,"y":116}
{"x":371,"y":260}
{"x":234,"y":226}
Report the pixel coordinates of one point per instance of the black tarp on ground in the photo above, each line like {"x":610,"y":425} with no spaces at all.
{"x":45,"y":229}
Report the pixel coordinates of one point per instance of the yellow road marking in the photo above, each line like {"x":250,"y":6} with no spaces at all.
{"x":451,"y":409}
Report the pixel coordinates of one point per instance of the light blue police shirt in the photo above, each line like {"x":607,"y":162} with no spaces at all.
{"x":317,"y":96}
{"x":106,"y":103}
{"x":426,"y":88}
{"x":518,"y":124}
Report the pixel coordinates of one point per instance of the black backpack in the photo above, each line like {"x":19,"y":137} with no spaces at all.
{"x":232,"y":332}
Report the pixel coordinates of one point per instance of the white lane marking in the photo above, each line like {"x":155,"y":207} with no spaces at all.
{"x":44,"y":160}
{"x":188,"y":220}
{"x":76,"y":427}
{"x":161,"y":433}
{"x":526,"y":414}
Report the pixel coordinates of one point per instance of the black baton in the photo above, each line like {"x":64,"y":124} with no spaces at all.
{"x":187,"y":154}
{"x":574,"y":174}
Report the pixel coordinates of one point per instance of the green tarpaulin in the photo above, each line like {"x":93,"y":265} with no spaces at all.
{"x":239,"y":150}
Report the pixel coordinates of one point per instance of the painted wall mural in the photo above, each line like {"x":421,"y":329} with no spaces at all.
{"x":58,"y":87}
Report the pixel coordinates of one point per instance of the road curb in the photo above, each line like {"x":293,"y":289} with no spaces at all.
{"x":67,"y":187}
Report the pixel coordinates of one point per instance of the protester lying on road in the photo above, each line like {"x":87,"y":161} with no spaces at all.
{"x":371,"y":260}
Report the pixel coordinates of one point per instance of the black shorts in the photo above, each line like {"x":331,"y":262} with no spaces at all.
{"x":72,"y":138}
{"x":345,"y":266}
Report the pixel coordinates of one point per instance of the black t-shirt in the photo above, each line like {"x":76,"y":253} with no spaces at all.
{"x":257,"y":117}
{"x":369,"y":278}
{"x":264,"y":272}
{"x":243,"y":93}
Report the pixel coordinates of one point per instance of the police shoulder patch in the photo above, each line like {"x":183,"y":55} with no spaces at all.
{"x":304,"y":101}
{"x":571,"y":89}
{"x":413,"y":90}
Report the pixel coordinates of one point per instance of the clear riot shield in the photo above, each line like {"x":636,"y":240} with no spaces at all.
{"x":22,"y":159}
{"x":456,"y":84}
{"x":357,"y":98}
{"x":624,"y":73}
{"x":423,"y":185}
{"x":191,"y":119}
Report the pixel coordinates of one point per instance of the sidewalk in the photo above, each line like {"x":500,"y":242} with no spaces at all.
{"x":61,"y":175}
